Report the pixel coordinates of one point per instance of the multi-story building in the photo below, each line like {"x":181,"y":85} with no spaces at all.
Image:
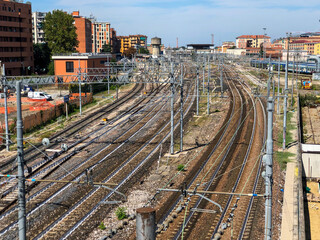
{"x":100,"y":35}
{"x":310,"y":47}
{"x":37,"y":30}
{"x":84,"y":32}
{"x":16,"y":47}
{"x":317,"y":49}
{"x":253,"y":41}
{"x":136,"y":41}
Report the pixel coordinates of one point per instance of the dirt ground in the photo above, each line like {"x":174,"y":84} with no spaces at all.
{"x":314,"y":209}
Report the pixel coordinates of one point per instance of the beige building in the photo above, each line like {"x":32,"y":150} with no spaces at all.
{"x":253,"y":41}
{"x":37,"y":31}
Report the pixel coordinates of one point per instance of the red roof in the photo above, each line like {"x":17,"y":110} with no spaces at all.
{"x":253,"y":36}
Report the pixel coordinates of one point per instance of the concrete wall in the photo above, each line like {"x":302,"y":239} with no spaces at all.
{"x":311,"y":165}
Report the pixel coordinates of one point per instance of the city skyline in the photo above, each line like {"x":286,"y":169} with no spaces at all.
{"x":194,"y":22}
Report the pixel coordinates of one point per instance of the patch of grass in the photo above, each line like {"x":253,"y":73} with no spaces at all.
{"x":181,"y":167}
{"x":102,"y":226}
{"x":121,"y":213}
{"x":289,"y":136}
{"x":283,"y":158}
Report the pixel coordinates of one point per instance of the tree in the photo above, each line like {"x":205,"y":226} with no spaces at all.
{"x":106,"y":48}
{"x":42,"y":56}
{"x":130,"y":52}
{"x":60,"y":32}
{"x":143,"y":50}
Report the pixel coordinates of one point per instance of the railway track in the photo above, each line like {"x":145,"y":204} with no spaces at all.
{"x":47,"y":188}
{"x":42,"y":167}
{"x":31,"y":154}
{"x":191,"y":224}
{"x":86,"y":191}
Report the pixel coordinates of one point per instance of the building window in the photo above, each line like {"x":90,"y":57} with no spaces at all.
{"x":69,"y":67}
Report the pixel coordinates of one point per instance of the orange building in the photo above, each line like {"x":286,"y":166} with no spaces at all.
{"x":16,"y":46}
{"x":68,"y":67}
{"x":83,"y":31}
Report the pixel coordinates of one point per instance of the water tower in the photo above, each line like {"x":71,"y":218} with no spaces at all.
{"x":156,"y":44}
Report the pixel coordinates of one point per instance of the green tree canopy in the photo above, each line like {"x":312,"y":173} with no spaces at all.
{"x":143,"y":50}
{"x":130,"y":52}
{"x":106,"y":48}
{"x":42,"y":55}
{"x":60,"y":32}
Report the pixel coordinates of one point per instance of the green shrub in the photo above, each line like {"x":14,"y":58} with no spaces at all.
{"x":121,"y":213}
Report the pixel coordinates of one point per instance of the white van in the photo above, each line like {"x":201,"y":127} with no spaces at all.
{"x":39,"y":95}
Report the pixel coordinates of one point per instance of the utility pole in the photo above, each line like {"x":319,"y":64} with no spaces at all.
{"x":264,"y":47}
{"x":79,"y":79}
{"x":5,"y":91}
{"x":20,"y":160}
{"x":197,"y":90}
{"x":268,"y":161}
{"x":203,"y":74}
{"x":278,"y":102}
{"x":293,"y":66}
{"x":208,"y":102}
{"x":181,"y":110}
{"x":172,"y":109}
{"x":221,"y":78}
{"x":108,"y":59}
{"x":285,"y":99}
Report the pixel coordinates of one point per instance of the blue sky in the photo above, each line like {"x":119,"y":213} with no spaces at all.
{"x":193,"y":21}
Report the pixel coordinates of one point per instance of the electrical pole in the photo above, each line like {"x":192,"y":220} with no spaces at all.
{"x":172,"y":110}
{"x":5,"y":91}
{"x":197,"y":90}
{"x":221,"y":78}
{"x":79,"y":79}
{"x":181,"y":110}
{"x":278,"y":102}
{"x":108,"y":74}
{"x":285,"y":100}
{"x":208,"y":102}
{"x":268,"y":161}
{"x":203,"y":74}
{"x":20,"y":160}
{"x":293,"y":66}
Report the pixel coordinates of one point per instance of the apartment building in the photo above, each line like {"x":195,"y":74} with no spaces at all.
{"x":252,"y":41}
{"x":84,"y":32}
{"x":100,"y":35}
{"x":16,"y":46}
{"x":136,"y":41}
{"x":37,"y":31}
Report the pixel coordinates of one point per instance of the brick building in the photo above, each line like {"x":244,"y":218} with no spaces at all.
{"x":83,"y":31}
{"x":16,"y":46}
